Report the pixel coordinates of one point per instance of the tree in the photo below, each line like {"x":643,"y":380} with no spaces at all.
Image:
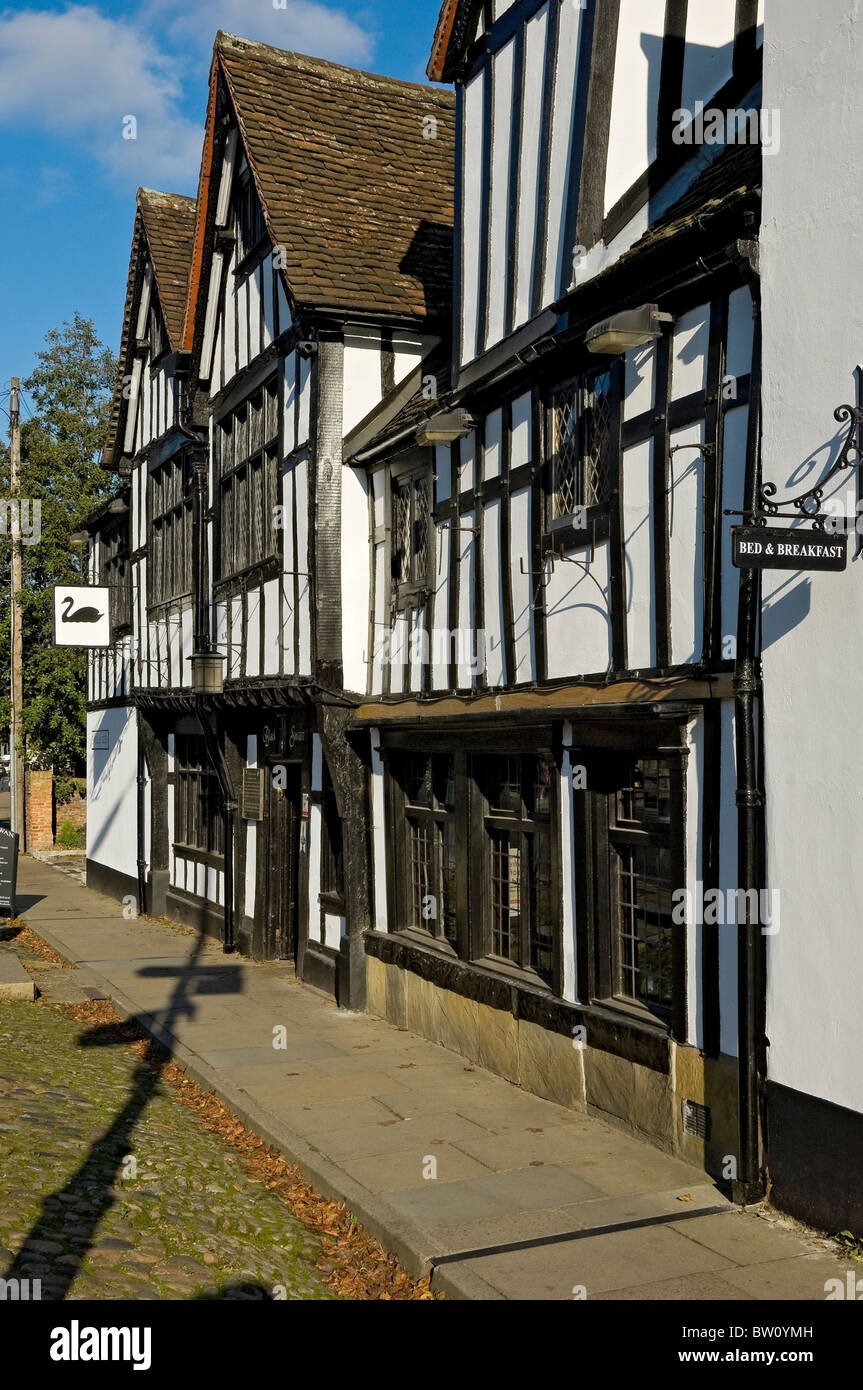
{"x":69,"y":395}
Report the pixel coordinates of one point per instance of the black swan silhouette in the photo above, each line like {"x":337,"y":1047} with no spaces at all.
{"x":83,"y":615}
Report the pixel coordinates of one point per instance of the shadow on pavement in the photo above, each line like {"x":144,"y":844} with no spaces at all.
{"x":91,"y":1187}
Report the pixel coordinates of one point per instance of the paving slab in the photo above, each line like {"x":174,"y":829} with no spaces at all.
{"x":15,"y":982}
{"x":597,"y":1264}
{"x":554,"y":1199}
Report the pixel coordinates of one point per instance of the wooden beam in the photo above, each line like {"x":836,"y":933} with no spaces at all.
{"x":557,"y":701}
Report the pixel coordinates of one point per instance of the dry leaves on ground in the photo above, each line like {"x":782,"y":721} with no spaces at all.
{"x":353,"y":1265}
{"x":25,"y":936}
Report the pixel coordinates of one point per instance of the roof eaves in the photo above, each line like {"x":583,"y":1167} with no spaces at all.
{"x":149,"y":201}
{"x":253,"y":165}
{"x":202,"y":210}
{"x":116,"y":418}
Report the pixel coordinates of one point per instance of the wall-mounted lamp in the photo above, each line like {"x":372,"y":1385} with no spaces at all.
{"x":208,"y":677}
{"x":631,"y":328}
{"x":79,"y":537}
{"x":118,"y":507}
{"x":445,"y":427}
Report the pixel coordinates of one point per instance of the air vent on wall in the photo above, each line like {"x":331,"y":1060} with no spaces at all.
{"x":253,"y":793}
{"x":696,"y":1119}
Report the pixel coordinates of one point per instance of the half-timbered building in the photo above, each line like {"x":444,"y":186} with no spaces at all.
{"x":550,"y":704}
{"x":141,"y":549}
{"x":317,"y":277}
{"x":488,"y":732}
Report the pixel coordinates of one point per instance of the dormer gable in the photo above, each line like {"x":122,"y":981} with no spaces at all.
{"x":154,"y":309}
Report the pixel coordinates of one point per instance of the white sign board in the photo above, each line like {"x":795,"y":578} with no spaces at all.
{"x":81,"y":616}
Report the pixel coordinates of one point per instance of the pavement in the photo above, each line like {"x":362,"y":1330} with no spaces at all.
{"x":500,"y":1194}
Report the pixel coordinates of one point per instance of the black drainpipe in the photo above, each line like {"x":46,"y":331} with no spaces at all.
{"x":141,"y":806}
{"x":749,"y":1186}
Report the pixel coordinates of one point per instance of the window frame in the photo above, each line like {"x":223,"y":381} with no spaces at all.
{"x":406,"y":592}
{"x":527,"y":826}
{"x":246,"y":195}
{"x":469,"y":941}
{"x":157,"y":337}
{"x":234,"y":481}
{"x":405,"y":813}
{"x":115,"y":572}
{"x":603,"y":832}
{"x":332,"y":874}
{"x":561,"y":530}
{"x":179,"y":508}
{"x":198,"y":803}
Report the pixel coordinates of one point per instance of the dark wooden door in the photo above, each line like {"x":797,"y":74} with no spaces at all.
{"x":280,"y":925}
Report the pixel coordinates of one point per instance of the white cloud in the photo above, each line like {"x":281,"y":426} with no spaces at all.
{"x":305,"y":26}
{"x":77,"y":74}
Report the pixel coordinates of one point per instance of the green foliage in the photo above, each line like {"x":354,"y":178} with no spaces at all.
{"x":68,"y":836}
{"x":853,"y":1245}
{"x":66,"y":787}
{"x":69,"y":399}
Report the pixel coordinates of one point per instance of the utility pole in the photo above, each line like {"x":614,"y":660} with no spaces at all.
{"x":16,"y":779}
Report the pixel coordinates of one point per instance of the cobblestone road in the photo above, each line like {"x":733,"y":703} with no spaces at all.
{"x":190,"y":1222}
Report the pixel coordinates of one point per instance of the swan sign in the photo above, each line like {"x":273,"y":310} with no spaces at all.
{"x":81,"y":616}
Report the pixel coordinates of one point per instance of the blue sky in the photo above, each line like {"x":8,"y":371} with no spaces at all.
{"x":70,"y":73}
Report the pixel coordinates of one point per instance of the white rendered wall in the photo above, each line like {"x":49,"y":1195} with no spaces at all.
{"x":811,"y":263}
{"x":112,"y":812}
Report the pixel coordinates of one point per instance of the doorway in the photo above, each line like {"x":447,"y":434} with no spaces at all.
{"x":281,"y":864}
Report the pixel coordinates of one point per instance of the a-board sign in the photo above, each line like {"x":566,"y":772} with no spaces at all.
{"x":769,"y":548}
{"x":81,"y":616}
{"x":8,"y":871}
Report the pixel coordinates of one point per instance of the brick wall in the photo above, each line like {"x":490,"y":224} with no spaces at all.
{"x":39,"y":811}
{"x":74,"y":810}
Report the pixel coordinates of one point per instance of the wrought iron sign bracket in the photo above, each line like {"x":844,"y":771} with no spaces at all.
{"x":542,"y":578}
{"x":808,"y":505}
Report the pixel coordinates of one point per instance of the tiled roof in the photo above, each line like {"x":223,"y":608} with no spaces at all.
{"x":736,"y":169}
{"x":730,"y":187}
{"x":169,"y":224}
{"x":350,"y":183}
{"x":164,"y":224}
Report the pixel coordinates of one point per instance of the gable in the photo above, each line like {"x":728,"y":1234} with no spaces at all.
{"x":354,"y":174}
{"x":156,"y":291}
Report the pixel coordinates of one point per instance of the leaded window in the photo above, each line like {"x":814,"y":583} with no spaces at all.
{"x":249,"y":221}
{"x":410,"y":532}
{"x":198,"y":806}
{"x":642,"y":870}
{"x":332,"y":844}
{"x":428,"y":785}
{"x":520,"y":898}
{"x":156,"y":333}
{"x":115,"y":575}
{"x":169,"y":565}
{"x":584,"y":453}
{"x":248,"y":482}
